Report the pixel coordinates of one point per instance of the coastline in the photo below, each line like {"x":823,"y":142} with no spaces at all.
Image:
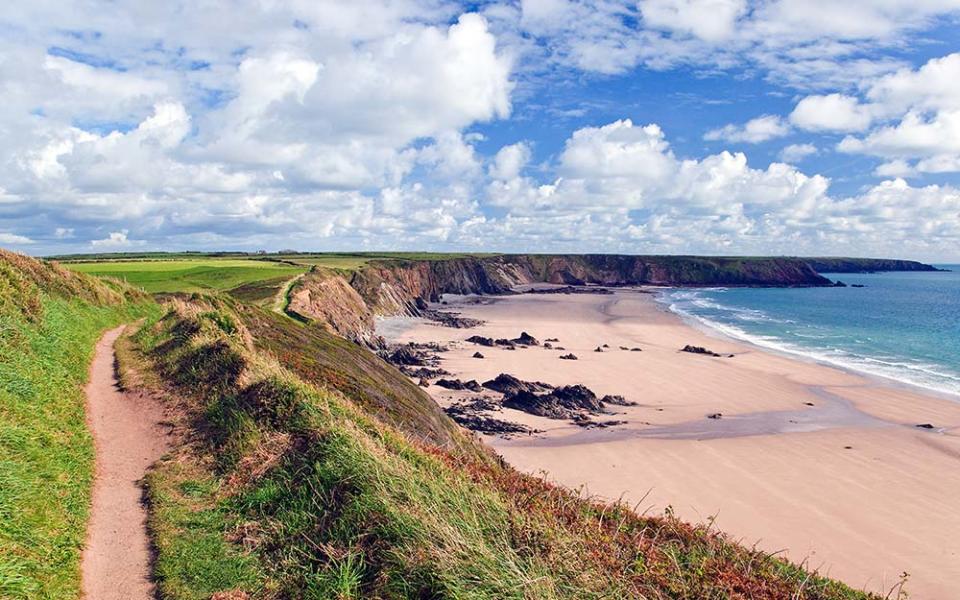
{"x":720,"y":331}
{"x":849,"y":485}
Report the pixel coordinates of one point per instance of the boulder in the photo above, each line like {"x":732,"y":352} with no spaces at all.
{"x":456,"y":384}
{"x":525,"y":339}
{"x":618,"y":400}
{"x":508,"y":384}
{"x":698,"y":350}
{"x":570,"y":356}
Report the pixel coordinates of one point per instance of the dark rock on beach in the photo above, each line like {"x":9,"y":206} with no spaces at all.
{"x":508,"y":384}
{"x":525,"y":339}
{"x":701,"y":350}
{"x":570,"y":289}
{"x":451,"y":319}
{"x":422,"y":372}
{"x":487,"y":425}
{"x":570,"y":356}
{"x":564,"y":402}
{"x":477,"y":355}
{"x":588,"y":423}
{"x":925,"y":425}
{"x":406,"y":356}
{"x":715,"y":416}
{"x":617,"y":400}
{"x":480,"y":340}
{"x":456,"y":384}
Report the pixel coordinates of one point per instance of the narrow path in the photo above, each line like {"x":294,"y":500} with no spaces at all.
{"x":280,"y":301}
{"x":128,"y":438}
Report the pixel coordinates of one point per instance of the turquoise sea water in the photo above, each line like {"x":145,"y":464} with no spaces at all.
{"x":903,"y":326}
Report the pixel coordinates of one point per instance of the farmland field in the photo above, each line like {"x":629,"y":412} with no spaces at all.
{"x":189,"y":275}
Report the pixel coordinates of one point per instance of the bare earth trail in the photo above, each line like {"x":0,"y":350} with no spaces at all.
{"x":128,"y":437}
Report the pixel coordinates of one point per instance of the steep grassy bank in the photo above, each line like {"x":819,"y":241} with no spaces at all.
{"x":291,"y":485}
{"x":50,"y":320}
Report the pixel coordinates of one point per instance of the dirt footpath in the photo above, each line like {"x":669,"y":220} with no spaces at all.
{"x":128,"y":438}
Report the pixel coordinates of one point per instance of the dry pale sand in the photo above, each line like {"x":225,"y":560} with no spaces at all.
{"x":849,"y":485}
{"x":128,"y":438}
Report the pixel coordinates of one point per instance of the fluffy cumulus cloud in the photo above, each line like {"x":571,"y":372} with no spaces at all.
{"x":622,"y":185}
{"x":753,"y":131}
{"x":797,"y":152}
{"x":916,"y":117}
{"x":832,"y":112}
{"x":322,"y":125}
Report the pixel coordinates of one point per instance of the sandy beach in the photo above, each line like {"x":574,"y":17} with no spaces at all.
{"x":825,"y":466}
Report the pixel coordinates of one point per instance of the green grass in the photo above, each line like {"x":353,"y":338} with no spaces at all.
{"x":194,"y":558}
{"x":189,"y":275}
{"x":47,"y":336}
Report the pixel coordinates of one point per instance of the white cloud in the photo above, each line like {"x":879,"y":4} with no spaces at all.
{"x":915,"y":113}
{"x":797,"y":152}
{"x":935,"y":85}
{"x":915,"y":135}
{"x":116,"y":239}
{"x":621,"y":186}
{"x":832,"y":113}
{"x":14,"y":239}
{"x":354,"y":128}
{"x":895,"y":168}
{"x":816,"y":44}
{"x":510,"y":161}
{"x":711,"y":20}
{"x":754,"y":131}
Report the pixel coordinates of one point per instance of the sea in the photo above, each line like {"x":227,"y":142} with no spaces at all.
{"x":900,"y":326}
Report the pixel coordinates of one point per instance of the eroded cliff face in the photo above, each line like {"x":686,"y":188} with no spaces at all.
{"x":404,"y":287}
{"x":325,"y":298}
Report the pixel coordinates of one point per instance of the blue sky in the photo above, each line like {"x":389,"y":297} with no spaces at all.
{"x":652,"y":126}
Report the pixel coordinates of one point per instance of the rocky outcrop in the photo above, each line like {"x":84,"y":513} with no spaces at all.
{"x":702,"y":350}
{"x":325,"y":298}
{"x":564,"y":402}
{"x":508,"y":384}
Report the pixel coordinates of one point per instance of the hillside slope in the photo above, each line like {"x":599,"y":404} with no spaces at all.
{"x":288,"y":486}
{"x":50,"y":319}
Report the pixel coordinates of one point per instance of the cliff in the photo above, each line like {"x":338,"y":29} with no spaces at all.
{"x":865,"y":265}
{"x":323,"y":297}
{"x":403,"y":287}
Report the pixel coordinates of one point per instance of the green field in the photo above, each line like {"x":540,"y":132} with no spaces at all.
{"x":254,"y":279}
{"x":189,"y":275}
{"x":350,"y":261}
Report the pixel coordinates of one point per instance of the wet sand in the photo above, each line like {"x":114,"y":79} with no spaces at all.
{"x":825,"y":466}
